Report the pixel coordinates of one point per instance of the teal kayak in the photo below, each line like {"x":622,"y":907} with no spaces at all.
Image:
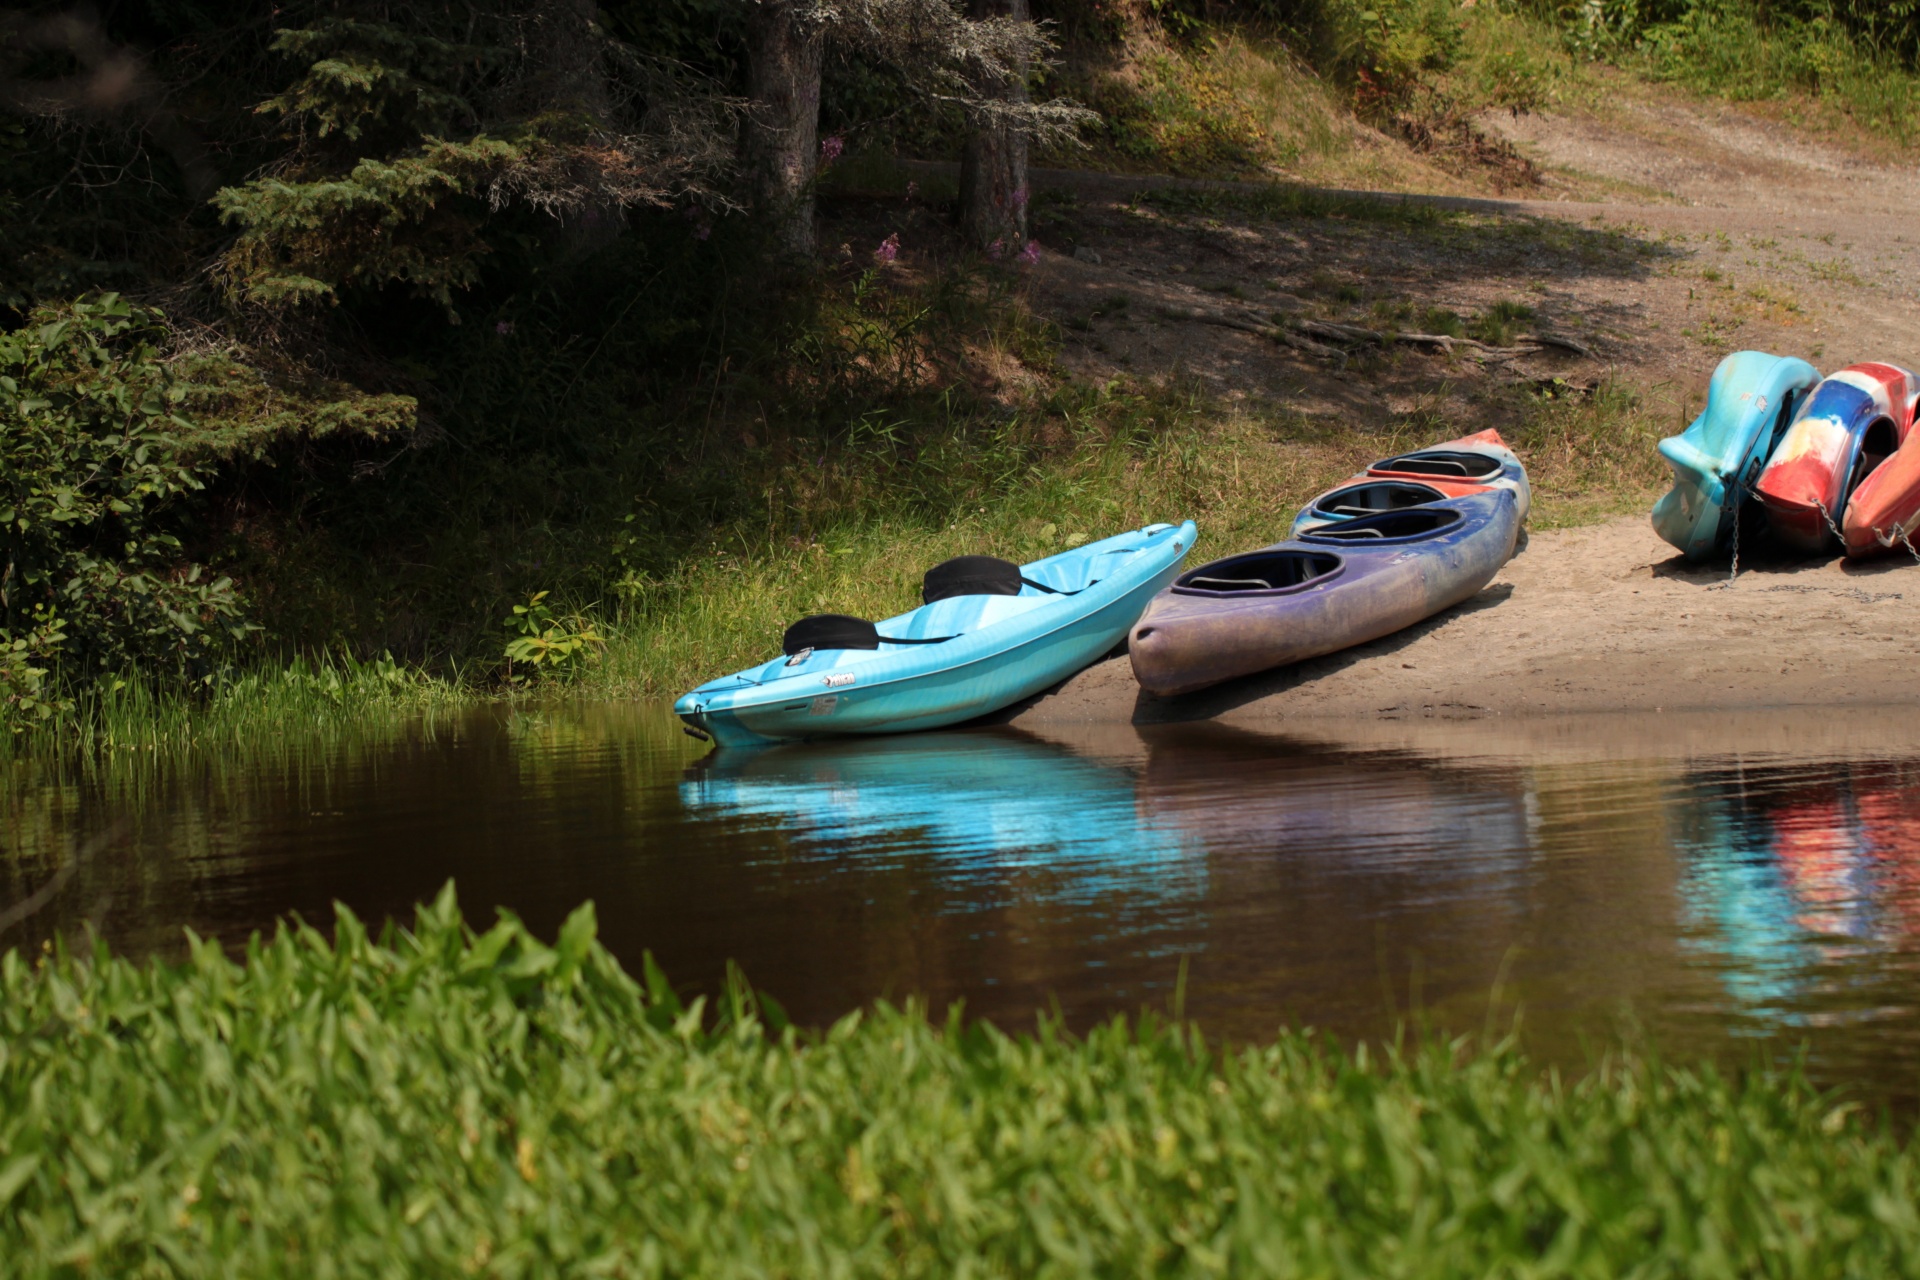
{"x":1717,"y":459}
{"x":959,"y":657}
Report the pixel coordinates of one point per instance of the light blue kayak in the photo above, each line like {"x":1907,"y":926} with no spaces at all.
{"x":991,"y":651}
{"x":1716,"y":459}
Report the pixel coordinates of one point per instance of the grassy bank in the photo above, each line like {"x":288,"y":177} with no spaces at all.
{"x":858,"y":531}
{"x":437,"y":1102}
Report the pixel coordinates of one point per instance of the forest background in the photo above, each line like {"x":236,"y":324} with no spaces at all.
{"x":368,"y":346}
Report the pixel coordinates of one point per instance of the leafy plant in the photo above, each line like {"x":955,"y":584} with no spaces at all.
{"x":548,"y":642}
{"x":26,"y":696}
{"x":92,"y":577}
{"x":1393,"y":47}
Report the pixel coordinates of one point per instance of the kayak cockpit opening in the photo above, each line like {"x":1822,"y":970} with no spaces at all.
{"x":1373,"y":497}
{"x":1443,"y":464}
{"x":1876,"y":446}
{"x":1412,"y":524}
{"x":1259,"y":572}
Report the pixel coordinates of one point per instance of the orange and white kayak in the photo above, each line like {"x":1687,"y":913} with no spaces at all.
{"x":1851,"y":423}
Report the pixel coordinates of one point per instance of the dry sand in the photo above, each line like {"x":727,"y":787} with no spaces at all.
{"x":1600,"y":619}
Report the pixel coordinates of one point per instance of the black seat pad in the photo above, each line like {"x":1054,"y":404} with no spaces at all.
{"x":971,"y":576}
{"x":830,"y":631}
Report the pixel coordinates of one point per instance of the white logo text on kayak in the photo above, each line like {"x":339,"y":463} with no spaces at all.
{"x":834,"y":682}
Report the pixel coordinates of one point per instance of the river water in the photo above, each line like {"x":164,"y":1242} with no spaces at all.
{"x":1734,"y":887}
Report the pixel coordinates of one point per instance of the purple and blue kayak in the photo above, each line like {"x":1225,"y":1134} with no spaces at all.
{"x":1338,"y":586}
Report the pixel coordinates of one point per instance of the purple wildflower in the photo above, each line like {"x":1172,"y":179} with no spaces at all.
{"x":504,"y":328}
{"x":1020,"y":197}
{"x":997,"y":250}
{"x":889,"y":249}
{"x":702,"y":231}
{"x":1031,"y":254}
{"x":831,"y":147}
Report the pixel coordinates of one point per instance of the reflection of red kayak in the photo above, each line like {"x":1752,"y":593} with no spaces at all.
{"x":1816,"y":847}
{"x":1851,"y":423}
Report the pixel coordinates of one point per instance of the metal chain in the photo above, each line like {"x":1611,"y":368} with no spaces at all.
{"x":1739,"y":509}
{"x":1741,"y":495}
{"x":1821,"y":507}
{"x":1901,"y":534}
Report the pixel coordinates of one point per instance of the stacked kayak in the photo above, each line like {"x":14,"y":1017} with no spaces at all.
{"x":990,"y":634}
{"x":1853,"y":421}
{"x":1471,"y":464}
{"x":1340,"y":584}
{"x":1885,"y":505}
{"x":1717,"y":459}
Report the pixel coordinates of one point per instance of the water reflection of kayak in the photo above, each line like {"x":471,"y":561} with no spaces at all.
{"x":1890,"y":830}
{"x":1402,"y":812}
{"x":976,"y":802}
{"x":1777,"y":880}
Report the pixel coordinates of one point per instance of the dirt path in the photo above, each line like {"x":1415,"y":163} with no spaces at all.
{"x":1742,"y":233}
{"x":1751,"y":237}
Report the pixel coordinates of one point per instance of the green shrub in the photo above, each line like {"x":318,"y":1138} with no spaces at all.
{"x":545,"y":642}
{"x":1392,"y":48}
{"x":92,"y":578}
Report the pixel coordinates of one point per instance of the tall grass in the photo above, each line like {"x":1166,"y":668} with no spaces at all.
{"x":270,"y":701}
{"x":442,"y":1102}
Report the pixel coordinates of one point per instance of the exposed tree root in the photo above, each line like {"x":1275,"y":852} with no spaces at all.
{"x":1328,"y":340}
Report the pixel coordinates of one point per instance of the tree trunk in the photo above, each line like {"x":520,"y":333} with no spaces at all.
{"x":783,"y":129}
{"x":993,"y":166}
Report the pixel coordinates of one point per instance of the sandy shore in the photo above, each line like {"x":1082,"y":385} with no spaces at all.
{"x":1596,"y":620}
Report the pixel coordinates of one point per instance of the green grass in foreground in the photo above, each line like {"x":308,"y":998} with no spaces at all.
{"x":441,"y":1103}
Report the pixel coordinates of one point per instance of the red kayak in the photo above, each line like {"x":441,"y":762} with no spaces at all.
{"x":1850,"y":423}
{"x":1885,"y":508}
